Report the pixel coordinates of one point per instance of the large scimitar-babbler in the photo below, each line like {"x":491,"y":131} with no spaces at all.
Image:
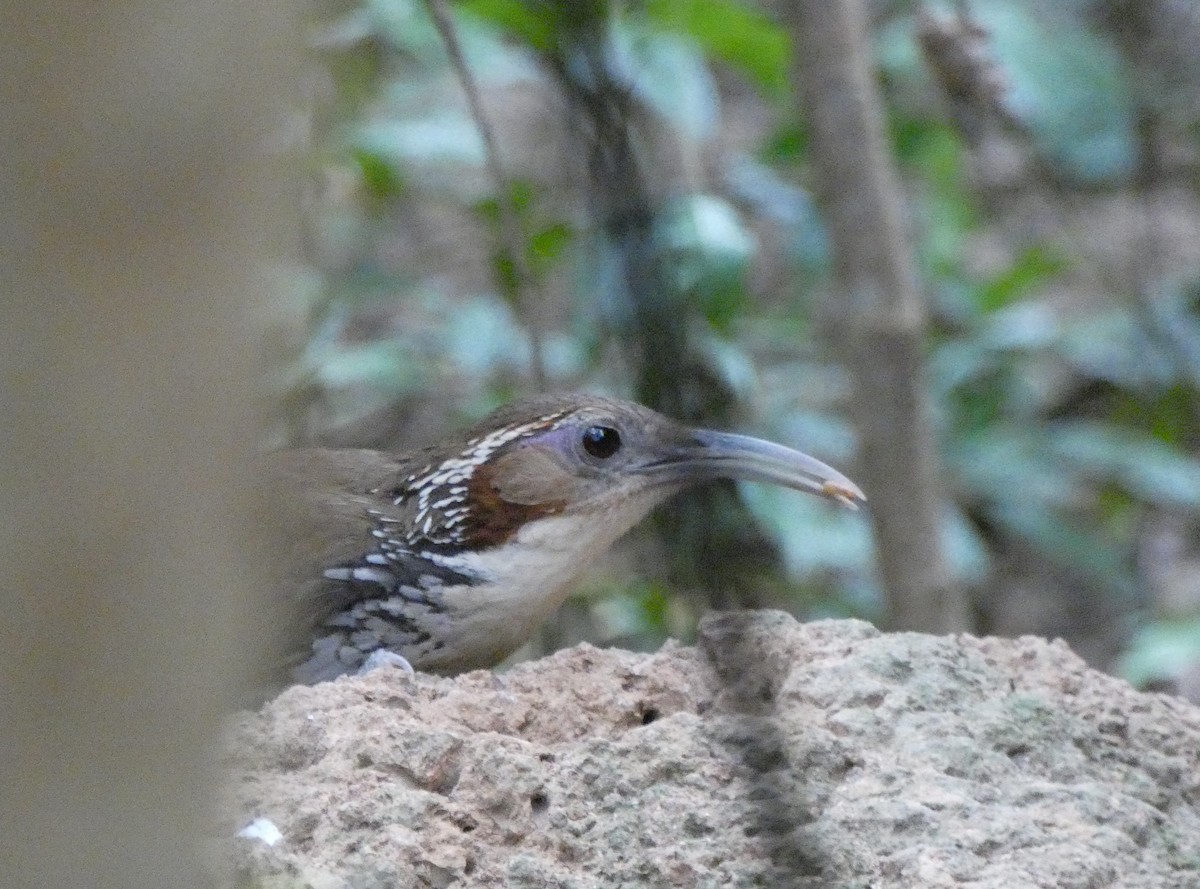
{"x":451,"y":557}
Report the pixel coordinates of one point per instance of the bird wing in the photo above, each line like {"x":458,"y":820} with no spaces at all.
{"x":342,"y":548}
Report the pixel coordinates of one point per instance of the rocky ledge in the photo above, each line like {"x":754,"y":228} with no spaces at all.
{"x":772,"y":754}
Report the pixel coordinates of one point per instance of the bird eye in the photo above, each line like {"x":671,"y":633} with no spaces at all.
{"x":601,"y":441}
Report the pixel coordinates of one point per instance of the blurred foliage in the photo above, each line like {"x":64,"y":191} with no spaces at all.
{"x":1162,"y":649}
{"x":1068,"y":411}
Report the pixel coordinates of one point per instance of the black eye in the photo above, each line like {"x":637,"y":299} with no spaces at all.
{"x":601,"y":441}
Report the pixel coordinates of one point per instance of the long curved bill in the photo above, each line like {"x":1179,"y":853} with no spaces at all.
{"x":709,"y":455}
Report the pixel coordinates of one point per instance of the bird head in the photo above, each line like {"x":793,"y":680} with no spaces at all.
{"x":601,"y":458}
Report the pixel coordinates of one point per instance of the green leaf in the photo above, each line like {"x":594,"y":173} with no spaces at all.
{"x":382,"y":180}
{"x":547,"y":245}
{"x":1143,"y":465}
{"x":1112,"y":346}
{"x":445,"y":138}
{"x":505,"y":272}
{"x":946,"y":209}
{"x":959,"y":363}
{"x":822,"y":430}
{"x":709,"y":249}
{"x":637,"y":616}
{"x":669,"y":74}
{"x":788,"y":144}
{"x":517,"y":18}
{"x":764,"y":193}
{"x":1035,"y":267}
{"x":381,"y":365}
{"x":732,"y":364}
{"x":1170,"y":415}
{"x":406,"y":25}
{"x":484,"y":337}
{"x":521,"y":192}
{"x":966,"y":550}
{"x":1161,"y":650}
{"x":1005,"y":462}
{"x":814,"y":537}
{"x":732,"y":32}
{"x":1068,"y":84}
{"x":1028,"y":326}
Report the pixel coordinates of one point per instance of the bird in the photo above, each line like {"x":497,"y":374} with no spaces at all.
{"x":450,"y":558}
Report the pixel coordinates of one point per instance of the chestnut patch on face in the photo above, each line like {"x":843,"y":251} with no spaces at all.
{"x":519,"y":487}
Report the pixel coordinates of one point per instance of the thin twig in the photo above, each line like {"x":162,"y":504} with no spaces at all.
{"x":528,"y":293}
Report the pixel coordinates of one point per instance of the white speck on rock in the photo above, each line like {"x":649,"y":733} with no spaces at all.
{"x":262,"y":829}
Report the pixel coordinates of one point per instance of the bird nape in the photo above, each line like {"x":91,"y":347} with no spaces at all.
{"x":451,"y":557}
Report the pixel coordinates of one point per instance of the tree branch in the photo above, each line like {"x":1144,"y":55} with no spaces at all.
{"x":528,"y":293}
{"x":879,"y":314}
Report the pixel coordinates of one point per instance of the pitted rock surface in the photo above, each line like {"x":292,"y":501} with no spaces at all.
{"x":773,"y":754}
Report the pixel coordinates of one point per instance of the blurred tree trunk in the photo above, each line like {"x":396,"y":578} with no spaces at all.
{"x":877,"y":315}
{"x":714,"y":545}
{"x":139,"y":220}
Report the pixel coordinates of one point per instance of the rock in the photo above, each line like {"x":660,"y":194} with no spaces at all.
{"x":774,"y":754}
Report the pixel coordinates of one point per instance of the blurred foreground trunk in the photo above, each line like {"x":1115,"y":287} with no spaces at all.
{"x":138,"y":220}
{"x":878,"y":315}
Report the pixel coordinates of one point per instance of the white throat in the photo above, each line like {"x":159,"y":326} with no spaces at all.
{"x":525,"y":580}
